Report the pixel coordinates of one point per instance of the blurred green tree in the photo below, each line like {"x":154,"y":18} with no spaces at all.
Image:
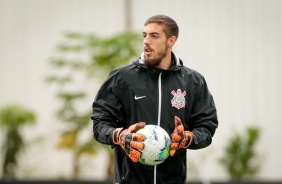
{"x":81,"y":60}
{"x":240,"y":159}
{"x":12,"y":119}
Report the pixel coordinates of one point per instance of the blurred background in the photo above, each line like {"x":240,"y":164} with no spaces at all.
{"x":54,"y":55}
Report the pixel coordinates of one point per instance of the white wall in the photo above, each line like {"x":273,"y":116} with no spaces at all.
{"x":235,"y":44}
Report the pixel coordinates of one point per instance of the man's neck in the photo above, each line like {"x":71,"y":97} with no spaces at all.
{"x":166,"y":62}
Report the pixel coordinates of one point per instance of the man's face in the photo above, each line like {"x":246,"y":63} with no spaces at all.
{"x":155,"y":44}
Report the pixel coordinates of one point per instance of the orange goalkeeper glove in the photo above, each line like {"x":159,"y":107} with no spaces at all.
{"x":129,"y":140}
{"x":179,"y":137}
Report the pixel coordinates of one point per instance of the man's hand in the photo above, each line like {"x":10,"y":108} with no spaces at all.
{"x":179,"y":137}
{"x":129,"y":140}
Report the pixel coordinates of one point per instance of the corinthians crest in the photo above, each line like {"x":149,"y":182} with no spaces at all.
{"x":178,"y":101}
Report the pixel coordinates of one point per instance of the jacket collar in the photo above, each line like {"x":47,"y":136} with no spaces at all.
{"x":177,"y":65}
{"x":176,"y":59}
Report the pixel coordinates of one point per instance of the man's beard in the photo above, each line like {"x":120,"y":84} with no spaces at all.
{"x":157,"y":60}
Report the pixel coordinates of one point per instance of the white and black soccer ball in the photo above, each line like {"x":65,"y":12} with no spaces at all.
{"x":156,"y":145}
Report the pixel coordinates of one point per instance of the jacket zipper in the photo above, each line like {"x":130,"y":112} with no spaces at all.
{"x":160,"y":98}
{"x":159,"y":117}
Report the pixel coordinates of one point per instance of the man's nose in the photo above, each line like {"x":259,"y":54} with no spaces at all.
{"x":146,"y":40}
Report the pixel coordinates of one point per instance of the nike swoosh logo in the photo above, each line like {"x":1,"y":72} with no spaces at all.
{"x":139,"y":97}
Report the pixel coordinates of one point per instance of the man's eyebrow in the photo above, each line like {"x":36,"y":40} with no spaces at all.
{"x":152,"y":33}
{"x":155,"y":33}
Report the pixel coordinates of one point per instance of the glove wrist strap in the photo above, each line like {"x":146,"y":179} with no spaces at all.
{"x":115,"y":135}
{"x":189,"y":135}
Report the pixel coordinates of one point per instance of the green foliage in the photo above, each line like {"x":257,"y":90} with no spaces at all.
{"x":240,"y":159}
{"x":92,"y":55}
{"x":80,"y":59}
{"x":15,"y":116}
{"x":12,"y":118}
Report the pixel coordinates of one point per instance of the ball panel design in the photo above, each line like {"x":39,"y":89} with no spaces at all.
{"x":157,"y":145}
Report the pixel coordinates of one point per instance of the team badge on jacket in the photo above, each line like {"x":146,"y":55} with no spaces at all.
{"x":178,"y":101}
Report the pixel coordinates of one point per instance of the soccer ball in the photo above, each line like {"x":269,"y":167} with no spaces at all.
{"x":157,"y":145}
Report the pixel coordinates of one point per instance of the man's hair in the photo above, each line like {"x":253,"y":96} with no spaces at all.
{"x":170,"y":26}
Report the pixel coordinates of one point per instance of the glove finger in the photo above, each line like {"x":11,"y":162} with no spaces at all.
{"x":172,"y":152}
{"x":178,"y":125}
{"x":138,"y":137}
{"x":180,"y":129}
{"x":137,"y":145}
{"x":177,"y":121}
{"x":134,"y":155}
{"x":134,"y":159}
{"x":173,"y":146}
{"x":175,"y":137}
{"x":136,"y":126}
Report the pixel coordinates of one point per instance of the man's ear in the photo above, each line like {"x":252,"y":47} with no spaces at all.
{"x":171,"y":41}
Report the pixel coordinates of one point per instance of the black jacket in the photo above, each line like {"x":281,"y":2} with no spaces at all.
{"x":178,"y":91}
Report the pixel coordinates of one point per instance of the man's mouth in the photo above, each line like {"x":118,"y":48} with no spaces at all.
{"x":148,"y":50}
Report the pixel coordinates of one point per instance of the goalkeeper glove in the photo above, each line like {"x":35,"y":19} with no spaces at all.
{"x":179,"y":137}
{"x":129,"y":140}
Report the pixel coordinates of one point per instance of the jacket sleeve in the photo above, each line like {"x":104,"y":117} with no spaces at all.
{"x":107,"y":110}
{"x":203,"y":119}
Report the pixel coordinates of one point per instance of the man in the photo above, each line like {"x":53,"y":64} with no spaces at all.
{"x":155,"y":89}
